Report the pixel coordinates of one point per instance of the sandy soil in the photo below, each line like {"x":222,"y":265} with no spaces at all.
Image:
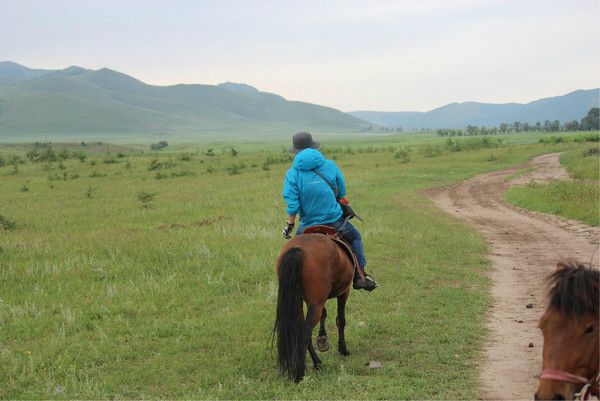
{"x":524,"y":246}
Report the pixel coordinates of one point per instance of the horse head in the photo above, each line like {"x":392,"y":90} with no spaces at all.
{"x":570,"y":328}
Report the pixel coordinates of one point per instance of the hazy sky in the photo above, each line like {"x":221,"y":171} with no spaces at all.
{"x":351,"y":55}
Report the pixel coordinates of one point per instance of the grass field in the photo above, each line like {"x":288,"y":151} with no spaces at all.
{"x":577,"y":198}
{"x":136,"y":274}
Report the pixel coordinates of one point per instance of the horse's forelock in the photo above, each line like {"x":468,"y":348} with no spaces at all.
{"x":574,"y":289}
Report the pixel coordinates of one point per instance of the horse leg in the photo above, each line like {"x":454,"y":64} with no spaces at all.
{"x":312,"y":317}
{"x":340,"y":322}
{"x":322,"y":340}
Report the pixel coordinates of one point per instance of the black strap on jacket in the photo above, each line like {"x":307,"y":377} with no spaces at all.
{"x":334,"y":189}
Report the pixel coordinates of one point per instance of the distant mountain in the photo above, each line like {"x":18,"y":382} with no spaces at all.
{"x":572,"y":106}
{"x":81,"y":101}
{"x":11,"y":73}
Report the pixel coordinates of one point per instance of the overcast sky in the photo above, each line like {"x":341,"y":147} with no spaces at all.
{"x":351,"y":55}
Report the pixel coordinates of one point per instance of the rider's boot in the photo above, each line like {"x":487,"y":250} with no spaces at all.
{"x":362,"y":281}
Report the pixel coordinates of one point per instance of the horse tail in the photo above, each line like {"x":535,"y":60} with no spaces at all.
{"x":291,"y":352}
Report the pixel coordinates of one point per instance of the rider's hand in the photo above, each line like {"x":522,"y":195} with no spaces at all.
{"x":287,"y":231}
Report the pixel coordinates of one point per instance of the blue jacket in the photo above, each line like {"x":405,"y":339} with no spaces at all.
{"x":306,"y":193}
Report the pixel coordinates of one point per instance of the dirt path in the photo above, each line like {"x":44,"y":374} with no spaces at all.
{"x":524,"y":246}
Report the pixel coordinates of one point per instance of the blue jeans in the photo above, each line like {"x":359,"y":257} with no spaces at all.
{"x":350,"y":234}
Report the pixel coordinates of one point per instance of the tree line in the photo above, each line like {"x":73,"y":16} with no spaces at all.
{"x":590,"y":122}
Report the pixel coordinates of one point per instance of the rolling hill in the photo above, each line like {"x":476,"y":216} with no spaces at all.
{"x":572,"y":106}
{"x":80,"y":101}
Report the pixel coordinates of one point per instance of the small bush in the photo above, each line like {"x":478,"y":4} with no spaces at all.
{"x":90,"y":192}
{"x":183,"y":173}
{"x":145,"y":199}
{"x":156,"y":165}
{"x":158,"y":146}
{"x":591,"y":152}
{"x":588,"y":138}
{"x":234,"y":169}
{"x":210,"y":170}
{"x":210,"y":152}
{"x":64,"y":154}
{"x":24,"y":188}
{"x":81,"y":156}
{"x":185,"y":157}
{"x":403,"y":155}
{"x":234,"y":152}
{"x":110,"y":160}
{"x":6,"y":224}
{"x":96,"y":174}
{"x":432,"y":150}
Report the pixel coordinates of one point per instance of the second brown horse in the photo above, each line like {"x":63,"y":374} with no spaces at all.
{"x":311,"y":269}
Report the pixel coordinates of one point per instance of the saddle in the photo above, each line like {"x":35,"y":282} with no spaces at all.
{"x":342,"y":243}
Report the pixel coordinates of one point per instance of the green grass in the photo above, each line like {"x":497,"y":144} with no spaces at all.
{"x":569,"y":199}
{"x":116,"y":284}
{"x":577,"y":199}
{"x":582,"y":164}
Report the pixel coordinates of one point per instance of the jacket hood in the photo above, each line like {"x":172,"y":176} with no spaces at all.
{"x":308,"y":159}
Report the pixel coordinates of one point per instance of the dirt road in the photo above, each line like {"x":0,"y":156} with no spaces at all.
{"x":524,"y":247}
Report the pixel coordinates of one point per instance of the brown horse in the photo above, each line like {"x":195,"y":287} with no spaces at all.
{"x":570,"y":326}
{"x":311,"y":268}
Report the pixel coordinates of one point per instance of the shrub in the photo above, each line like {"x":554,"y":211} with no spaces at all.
{"x":97,"y":174}
{"x":588,"y":138}
{"x":158,"y":146}
{"x":24,"y":188}
{"x":234,"y":152}
{"x":110,"y":160}
{"x":185,"y":157}
{"x":183,"y":173}
{"x":210,"y":170}
{"x":64,"y":154}
{"x":432,"y":150}
{"x":210,"y":152}
{"x":145,"y":199}
{"x":591,"y":152}
{"x":90,"y":192}
{"x":403,"y":155}
{"x":80,"y":155}
{"x":6,"y":224}
{"x":156,"y":165}
{"x":234,"y":169}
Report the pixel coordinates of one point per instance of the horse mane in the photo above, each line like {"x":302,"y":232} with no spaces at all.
{"x":574,"y":289}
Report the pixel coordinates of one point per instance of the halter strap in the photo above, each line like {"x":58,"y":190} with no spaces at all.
{"x":559,"y":375}
{"x":591,"y":386}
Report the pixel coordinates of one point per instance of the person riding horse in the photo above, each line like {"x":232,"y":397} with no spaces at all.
{"x":306,"y":192}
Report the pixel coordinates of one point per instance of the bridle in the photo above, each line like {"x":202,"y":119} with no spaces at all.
{"x":590,"y":386}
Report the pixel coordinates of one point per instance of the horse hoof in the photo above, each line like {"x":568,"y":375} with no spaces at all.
{"x":318,"y":366}
{"x":344,"y":352}
{"x":322,"y":343}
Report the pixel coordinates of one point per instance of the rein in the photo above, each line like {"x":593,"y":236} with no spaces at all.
{"x":590,"y":386}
